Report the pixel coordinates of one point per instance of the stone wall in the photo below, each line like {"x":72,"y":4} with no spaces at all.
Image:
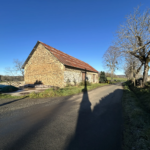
{"x":72,"y":75}
{"x":44,"y":67}
{"x":76,"y":75}
{"x":90,"y":77}
{"x":47,"y":69}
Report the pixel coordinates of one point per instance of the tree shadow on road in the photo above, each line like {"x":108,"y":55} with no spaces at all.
{"x":13,"y":101}
{"x":100,"y":129}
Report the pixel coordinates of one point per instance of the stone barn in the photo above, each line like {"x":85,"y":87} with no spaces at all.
{"x":50,"y":66}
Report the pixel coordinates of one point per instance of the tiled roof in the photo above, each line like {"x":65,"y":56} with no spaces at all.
{"x":68,"y":60}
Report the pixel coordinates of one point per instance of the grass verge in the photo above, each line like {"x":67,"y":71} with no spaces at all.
{"x":7,"y":96}
{"x":136,"y":133}
{"x":71,"y":90}
{"x":119,"y":79}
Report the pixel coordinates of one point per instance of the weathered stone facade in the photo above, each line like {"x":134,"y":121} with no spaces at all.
{"x":72,"y":75}
{"x":75,"y":75}
{"x":48,"y":66}
{"x":44,"y":67}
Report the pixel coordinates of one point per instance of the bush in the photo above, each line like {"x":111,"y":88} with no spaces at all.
{"x":83,"y":83}
{"x":103,"y":78}
{"x":75,"y":82}
{"x":147,"y":84}
{"x":8,"y":88}
{"x":68,"y":83}
{"x":108,"y":81}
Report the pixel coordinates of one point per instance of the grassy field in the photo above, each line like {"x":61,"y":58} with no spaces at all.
{"x":121,"y":79}
{"x":55,"y":93}
{"x":136,"y":113}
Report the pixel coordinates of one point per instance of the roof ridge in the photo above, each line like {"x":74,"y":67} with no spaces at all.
{"x":63,"y":52}
{"x":67,"y":59}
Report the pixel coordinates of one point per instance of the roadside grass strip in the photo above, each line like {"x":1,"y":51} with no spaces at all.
{"x":7,"y":96}
{"x":70,"y":90}
{"x":136,"y":132}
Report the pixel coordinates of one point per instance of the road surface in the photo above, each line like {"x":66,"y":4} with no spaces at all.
{"x":88,"y":121}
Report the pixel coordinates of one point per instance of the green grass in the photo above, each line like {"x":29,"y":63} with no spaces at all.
{"x":143,"y":95}
{"x":120,"y":79}
{"x":55,"y":93}
{"x":7,"y":96}
{"x":117,"y":81}
{"x":64,"y":91}
{"x":136,"y":133}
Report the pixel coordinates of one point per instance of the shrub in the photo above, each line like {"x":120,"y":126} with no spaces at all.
{"x":83,"y":83}
{"x":75,"y":82}
{"x":68,"y":83}
{"x":88,"y":83}
{"x":102,"y":77}
{"x":147,"y":84}
{"x":108,"y":81}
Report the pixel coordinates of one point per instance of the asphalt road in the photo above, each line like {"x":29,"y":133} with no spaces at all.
{"x":88,"y":121}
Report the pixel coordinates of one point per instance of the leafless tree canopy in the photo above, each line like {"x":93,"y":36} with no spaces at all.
{"x":133,"y":37}
{"x":109,"y":75}
{"x":18,"y":67}
{"x":111,"y":59}
{"x":12,"y":74}
{"x":132,"y":64}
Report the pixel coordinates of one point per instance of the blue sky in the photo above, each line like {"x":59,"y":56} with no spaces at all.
{"x":81,"y":28}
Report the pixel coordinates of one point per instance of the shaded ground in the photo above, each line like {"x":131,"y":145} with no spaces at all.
{"x":91,"y":120}
{"x":136,"y":113}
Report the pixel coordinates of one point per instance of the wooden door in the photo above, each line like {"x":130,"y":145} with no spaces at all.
{"x":83,"y":76}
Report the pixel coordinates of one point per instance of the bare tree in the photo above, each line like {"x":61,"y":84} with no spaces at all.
{"x":109,"y":75}
{"x":133,"y":38}
{"x":111,"y":58}
{"x":18,"y":67}
{"x":9,"y":76}
{"x":12,"y":74}
{"x":132,"y":64}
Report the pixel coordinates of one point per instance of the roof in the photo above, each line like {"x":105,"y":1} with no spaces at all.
{"x":65,"y":58}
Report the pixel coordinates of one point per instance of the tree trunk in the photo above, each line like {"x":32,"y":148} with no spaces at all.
{"x":112,"y":72}
{"x":134,"y":74}
{"x":145,"y":73}
{"x":138,"y":70}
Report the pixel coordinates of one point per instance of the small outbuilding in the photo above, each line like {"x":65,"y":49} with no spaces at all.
{"x":50,"y":66}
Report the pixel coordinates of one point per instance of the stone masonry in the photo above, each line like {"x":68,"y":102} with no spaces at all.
{"x":52,"y":67}
{"x":44,"y":67}
{"x":76,"y":75}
